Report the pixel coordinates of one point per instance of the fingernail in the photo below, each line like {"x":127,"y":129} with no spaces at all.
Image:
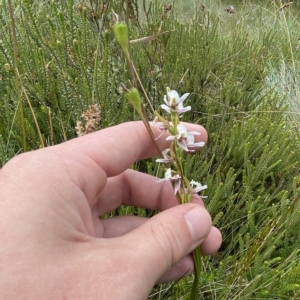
{"x":198,"y":222}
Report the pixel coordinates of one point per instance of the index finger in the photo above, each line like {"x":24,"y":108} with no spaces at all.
{"x":86,"y":161}
{"x":116,"y":148}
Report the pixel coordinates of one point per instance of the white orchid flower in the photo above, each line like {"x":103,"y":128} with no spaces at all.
{"x":186,"y":139}
{"x":167,"y":158}
{"x":174,"y":178}
{"x":174,"y":103}
{"x":197,"y":187}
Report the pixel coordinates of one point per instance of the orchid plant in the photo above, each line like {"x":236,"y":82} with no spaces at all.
{"x":182,"y":141}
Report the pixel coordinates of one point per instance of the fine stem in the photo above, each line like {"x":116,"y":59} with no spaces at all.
{"x":18,"y":84}
{"x":198,"y":269}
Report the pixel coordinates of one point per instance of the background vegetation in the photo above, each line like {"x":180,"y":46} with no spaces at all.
{"x":242,"y":68}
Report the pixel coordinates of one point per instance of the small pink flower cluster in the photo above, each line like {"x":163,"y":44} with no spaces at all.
{"x":180,"y":136}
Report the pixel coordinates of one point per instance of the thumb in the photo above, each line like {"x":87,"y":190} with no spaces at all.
{"x":168,"y":237}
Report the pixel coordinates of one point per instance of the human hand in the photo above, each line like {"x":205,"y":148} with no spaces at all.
{"x":53,"y":244}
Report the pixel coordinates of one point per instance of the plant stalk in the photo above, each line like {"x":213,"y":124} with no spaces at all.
{"x":18,"y":85}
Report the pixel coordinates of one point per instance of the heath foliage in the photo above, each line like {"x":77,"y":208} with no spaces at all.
{"x":241,"y":69}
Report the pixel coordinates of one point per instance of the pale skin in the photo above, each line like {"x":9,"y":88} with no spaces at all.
{"x":55,"y":246}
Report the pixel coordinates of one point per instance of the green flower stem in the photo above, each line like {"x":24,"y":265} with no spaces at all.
{"x":174,"y":120}
{"x":131,"y":68}
{"x":178,"y":159}
{"x":121,"y":33}
{"x":184,"y":197}
{"x":198,"y":269}
{"x":133,"y":97}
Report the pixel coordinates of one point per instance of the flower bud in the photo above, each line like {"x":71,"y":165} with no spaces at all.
{"x":121,"y":33}
{"x":134,"y":99}
{"x":172,"y":130}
